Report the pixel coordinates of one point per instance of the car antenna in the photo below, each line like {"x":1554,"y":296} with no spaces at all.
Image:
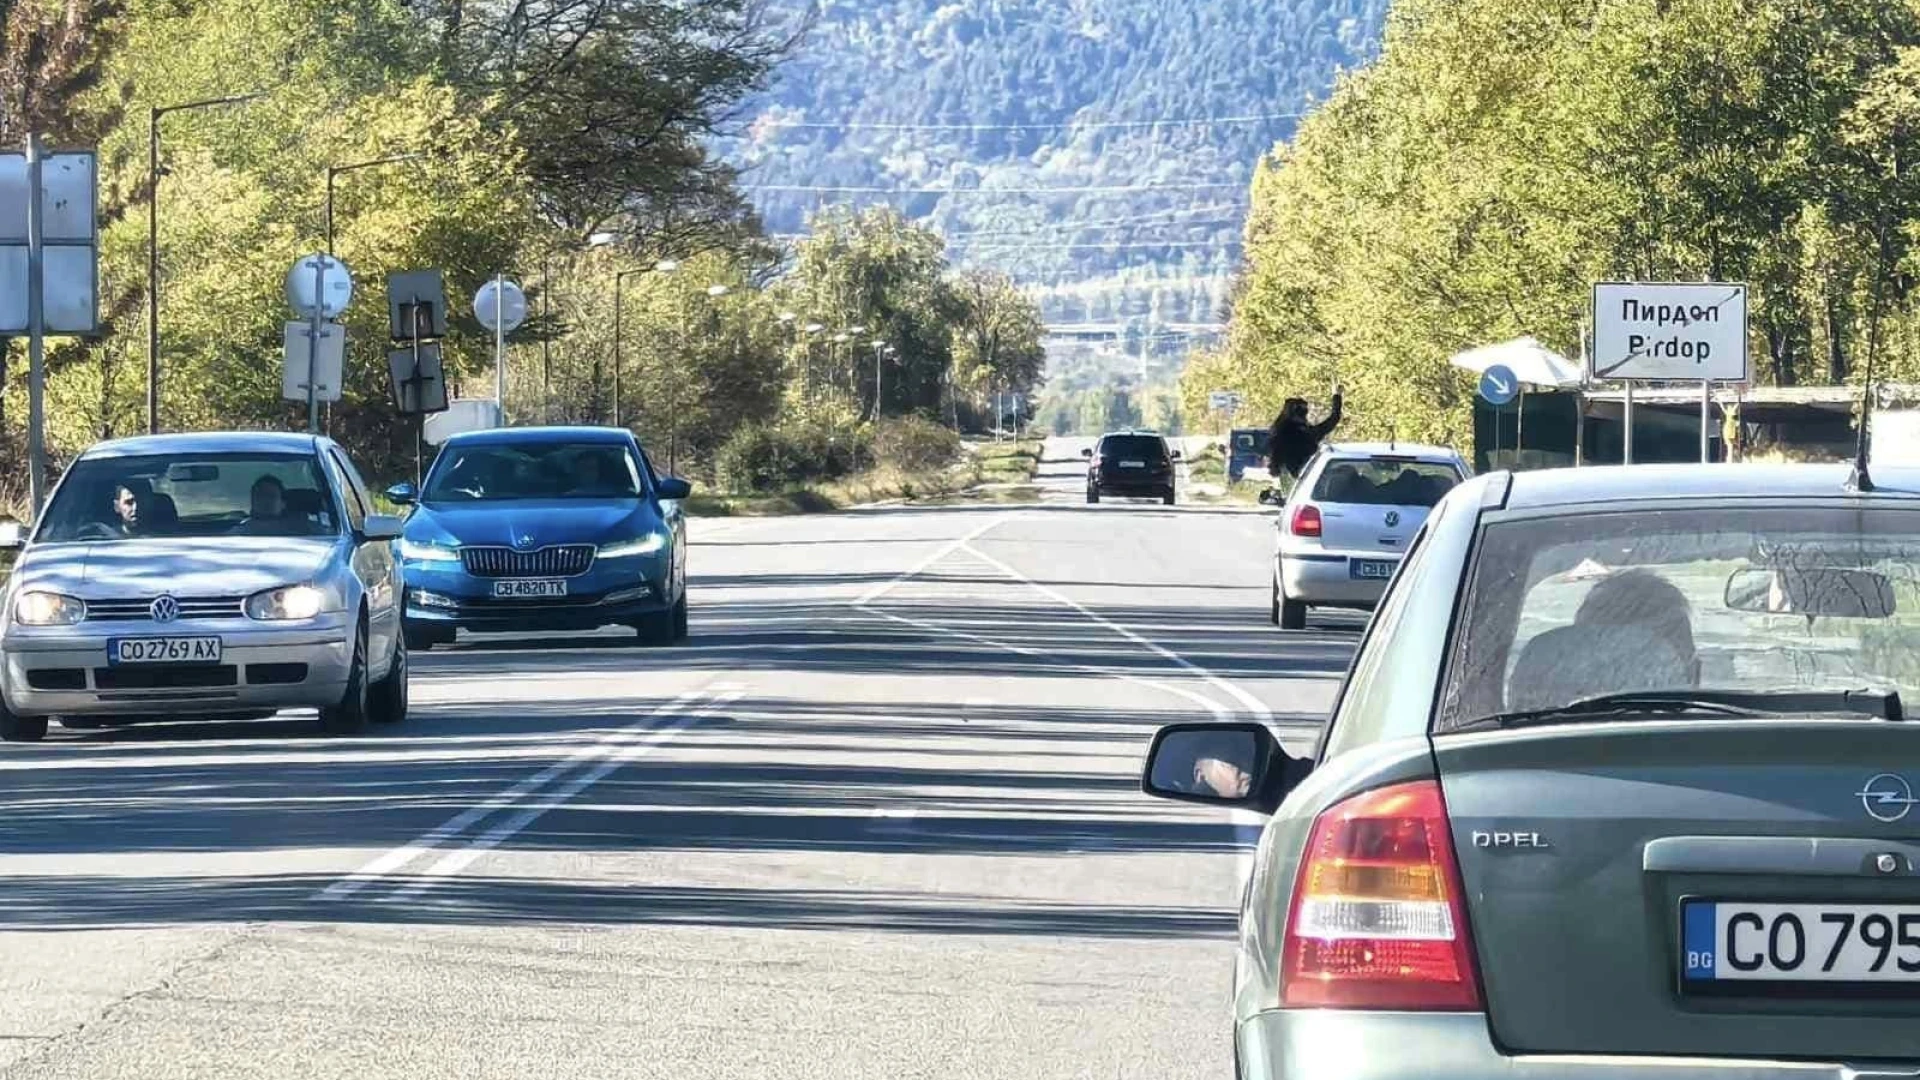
{"x":1860,"y":479}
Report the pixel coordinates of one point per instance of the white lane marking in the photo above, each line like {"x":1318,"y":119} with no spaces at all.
{"x":1247,"y":824}
{"x":1220,"y":712}
{"x":893,"y":819}
{"x":886,"y":587}
{"x":1247,"y":701}
{"x":456,"y":861}
{"x":393,"y":860}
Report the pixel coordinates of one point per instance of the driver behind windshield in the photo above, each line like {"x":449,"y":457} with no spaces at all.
{"x":129,"y":498}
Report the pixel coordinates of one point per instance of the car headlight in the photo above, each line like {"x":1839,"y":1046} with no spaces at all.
{"x":639,"y":545}
{"x":421,"y":551}
{"x":34,"y":608}
{"x":290,"y":603}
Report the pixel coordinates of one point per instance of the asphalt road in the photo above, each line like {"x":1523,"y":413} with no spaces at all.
{"x":878,"y":818}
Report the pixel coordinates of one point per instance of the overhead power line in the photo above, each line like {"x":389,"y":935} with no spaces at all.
{"x":1077,"y":190}
{"x":1082,"y":125}
{"x":1126,"y":245}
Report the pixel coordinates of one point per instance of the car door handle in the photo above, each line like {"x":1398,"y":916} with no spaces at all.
{"x":1806,"y":856}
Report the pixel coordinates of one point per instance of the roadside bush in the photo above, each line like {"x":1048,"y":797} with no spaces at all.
{"x":759,"y":458}
{"x":915,"y":444}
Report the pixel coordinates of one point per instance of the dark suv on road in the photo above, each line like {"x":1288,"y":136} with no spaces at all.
{"x":1131,"y":464}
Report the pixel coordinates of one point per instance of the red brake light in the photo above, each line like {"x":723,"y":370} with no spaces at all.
{"x":1377,"y":920}
{"x":1306,"y":521}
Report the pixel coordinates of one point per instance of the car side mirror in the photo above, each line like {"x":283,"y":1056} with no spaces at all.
{"x":403,"y":494}
{"x":1235,"y":765}
{"x":1268,"y":498}
{"x":381,"y":527}
{"x":673,"y":488}
{"x":13,"y":536}
{"x":1087,"y":453}
{"x":1176,"y":455}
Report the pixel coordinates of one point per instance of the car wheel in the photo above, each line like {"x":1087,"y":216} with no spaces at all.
{"x":350,"y":716}
{"x":17,"y":728}
{"x":1093,"y":495}
{"x":654,"y":630}
{"x":389,"y":696}
{"x":1293,"y":614}
{"x":680,"y":618}
{"x":1275,"y":616}
{"x":1167,"y":499}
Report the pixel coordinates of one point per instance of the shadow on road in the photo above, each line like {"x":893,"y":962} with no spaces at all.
{"x":84,"y":903}
{"x":774,"y":774}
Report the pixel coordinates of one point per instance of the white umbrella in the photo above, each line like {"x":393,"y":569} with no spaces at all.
{"x":1531,"y":362}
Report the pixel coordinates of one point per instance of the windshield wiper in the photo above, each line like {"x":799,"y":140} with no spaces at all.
{"x":1880,"y":704}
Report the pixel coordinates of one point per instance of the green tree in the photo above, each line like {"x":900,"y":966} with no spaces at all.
{"x":997,"y":336}
{"x":875,"y":269}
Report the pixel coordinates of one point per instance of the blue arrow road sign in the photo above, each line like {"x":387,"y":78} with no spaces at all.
{"x":1498,"y":385}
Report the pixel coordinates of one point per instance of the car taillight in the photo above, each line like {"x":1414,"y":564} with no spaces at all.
{"x":1377,"y":920}
{"x":1306,"y":521}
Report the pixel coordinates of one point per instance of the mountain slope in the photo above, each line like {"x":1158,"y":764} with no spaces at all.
{"x":1097,"y":149}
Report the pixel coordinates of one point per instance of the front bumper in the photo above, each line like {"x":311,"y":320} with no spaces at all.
{"x":1326,"y":578}
{"x":63,"y":671}
{"x":1306,"y":1044}
{"x":444,"y":598}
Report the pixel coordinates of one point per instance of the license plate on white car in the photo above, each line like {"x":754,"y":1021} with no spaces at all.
{"x":1723,"y":942}
{"x":518,"y":589}
{"x":1371,"y":569}
{"x":169,"y":650}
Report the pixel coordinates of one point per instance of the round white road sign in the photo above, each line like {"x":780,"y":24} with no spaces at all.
{"x":332,"y":283}
{"x":509,"y":307}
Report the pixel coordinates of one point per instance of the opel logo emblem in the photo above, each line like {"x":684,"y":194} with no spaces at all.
{"x":1393,"y":518}
{"x":164,"y":609}
{"x":1887,"y":798}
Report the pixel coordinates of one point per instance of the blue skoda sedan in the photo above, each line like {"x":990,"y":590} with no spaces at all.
{"x":544,"y":529}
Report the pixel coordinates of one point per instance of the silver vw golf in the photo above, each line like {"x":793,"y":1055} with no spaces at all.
{"x":1619,"y":785}
{"x":204,"y":575}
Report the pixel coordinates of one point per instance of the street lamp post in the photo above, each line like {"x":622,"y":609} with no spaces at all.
{"x":812,"y":330}
{"x":336,"y":170}
{"x":789,"y":320}
{"x":153,"y":242}
{"x":619,"y":279}
{"x":714,"y":292}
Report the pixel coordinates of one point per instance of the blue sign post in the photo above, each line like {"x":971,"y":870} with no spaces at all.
{"x":1498,"y":385}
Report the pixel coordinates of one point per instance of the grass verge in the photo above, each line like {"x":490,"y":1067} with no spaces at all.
{"x":1009,"y":462}
{"x":880,"y":485}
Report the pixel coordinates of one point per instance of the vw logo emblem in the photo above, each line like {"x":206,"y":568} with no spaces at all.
{"x":164,"y":609}
{"x":1887,"y":798}
{"x":1393,"y":518}
{"x":525,"y":542}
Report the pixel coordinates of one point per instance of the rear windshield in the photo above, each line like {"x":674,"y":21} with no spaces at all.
{"x":1385,"y":482}
{"x":1133,"y":447}
{"x":1737,"y":599}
